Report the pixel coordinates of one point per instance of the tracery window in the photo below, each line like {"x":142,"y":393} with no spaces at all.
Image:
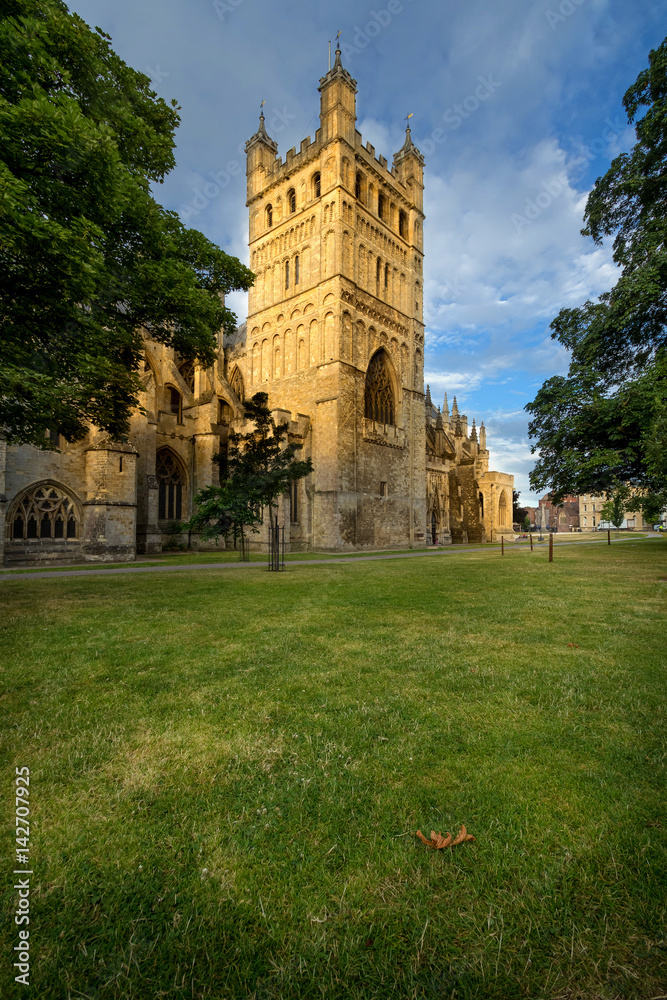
{"x":171,"y":481}
{"x":187,"y":373}
{"x":379,"y":397}
{"x":45,"y":511}
{"x":236,"y":383}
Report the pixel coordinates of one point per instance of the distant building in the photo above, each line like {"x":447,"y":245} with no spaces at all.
{"x":589,"y":515}
{"x":558,"y":517}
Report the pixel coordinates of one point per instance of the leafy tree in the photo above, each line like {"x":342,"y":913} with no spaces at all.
{"x":260,"y":467}
{"x":525,"y":524}
{"x":606,"y":422}
{"x":89,"y":261}
{"x":652,"y":506}
{"x":615,"y":505}
{"x":519,"y":514}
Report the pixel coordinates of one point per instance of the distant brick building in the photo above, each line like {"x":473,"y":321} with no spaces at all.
{"x":563,"y":517}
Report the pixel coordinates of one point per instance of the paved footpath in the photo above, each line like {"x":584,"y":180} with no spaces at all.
{"x":345,"y":560}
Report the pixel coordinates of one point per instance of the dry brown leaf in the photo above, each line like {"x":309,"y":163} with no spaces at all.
{"x":438,"y":842}
{"x":462,"y":836}
{"x":573,"y":645}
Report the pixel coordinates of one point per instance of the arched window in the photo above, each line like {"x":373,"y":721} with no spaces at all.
{"x":224,"y":411}
{"x":286,"y":274}
{"x":294,"y":501}
{"x":187,"y":373}
{"x":175,"y":403}
{"x":296,"y":270}
{"x":403,"y":224}
{"x":502,"y":510}
{"x":381,"y":206}
{"x":236,"y":383}
{"x":291,"y":200}
{"x":45,"y":511}
{"x":386,"y":275}
{"x":269,"y":215}
{"x":317,"y":185}
{"x":481,"y":505}
{"x":171,"y":480}
{"x":379,"y":396}
{"x":378,"y":271}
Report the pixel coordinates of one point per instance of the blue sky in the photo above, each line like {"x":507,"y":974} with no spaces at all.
{"x":516,"y":106}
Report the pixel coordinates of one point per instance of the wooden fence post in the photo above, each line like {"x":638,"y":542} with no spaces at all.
{"x":608,"y":536}
{"x":551,"y":548}
{"x":531,"y":541}
{"x":502,"y":546}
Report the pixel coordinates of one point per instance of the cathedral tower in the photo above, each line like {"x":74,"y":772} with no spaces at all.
{"x":335,"y":330}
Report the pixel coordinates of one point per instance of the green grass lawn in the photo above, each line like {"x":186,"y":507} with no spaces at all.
{"x":202,"y":557}
{"x":227,"y":772}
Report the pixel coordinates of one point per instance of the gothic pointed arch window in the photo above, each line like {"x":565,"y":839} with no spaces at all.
{"x":317,"y":185}
{"x":380,"y":404}
{"x":291,"y":200}
{"x":175,"y":402}
{"x":269,"y":216}
{"x":44,"y":511}
{"x":171,"y":484}
{"x":236,"y":382}
{"x":187,"y":372}
{"x":502,"y":510}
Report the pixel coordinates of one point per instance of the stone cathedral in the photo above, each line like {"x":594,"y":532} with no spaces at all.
{"x":334,"y":335}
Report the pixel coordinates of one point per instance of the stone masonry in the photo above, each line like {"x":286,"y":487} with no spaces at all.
{"x":334,"y":335}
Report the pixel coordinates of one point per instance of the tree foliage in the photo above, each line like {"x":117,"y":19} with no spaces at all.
{"x":260,"y":467}
{"x":616,"y":504}
{"x":606,"y":421}
{"x":88,"y":258}
{"x":519,"y":514}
